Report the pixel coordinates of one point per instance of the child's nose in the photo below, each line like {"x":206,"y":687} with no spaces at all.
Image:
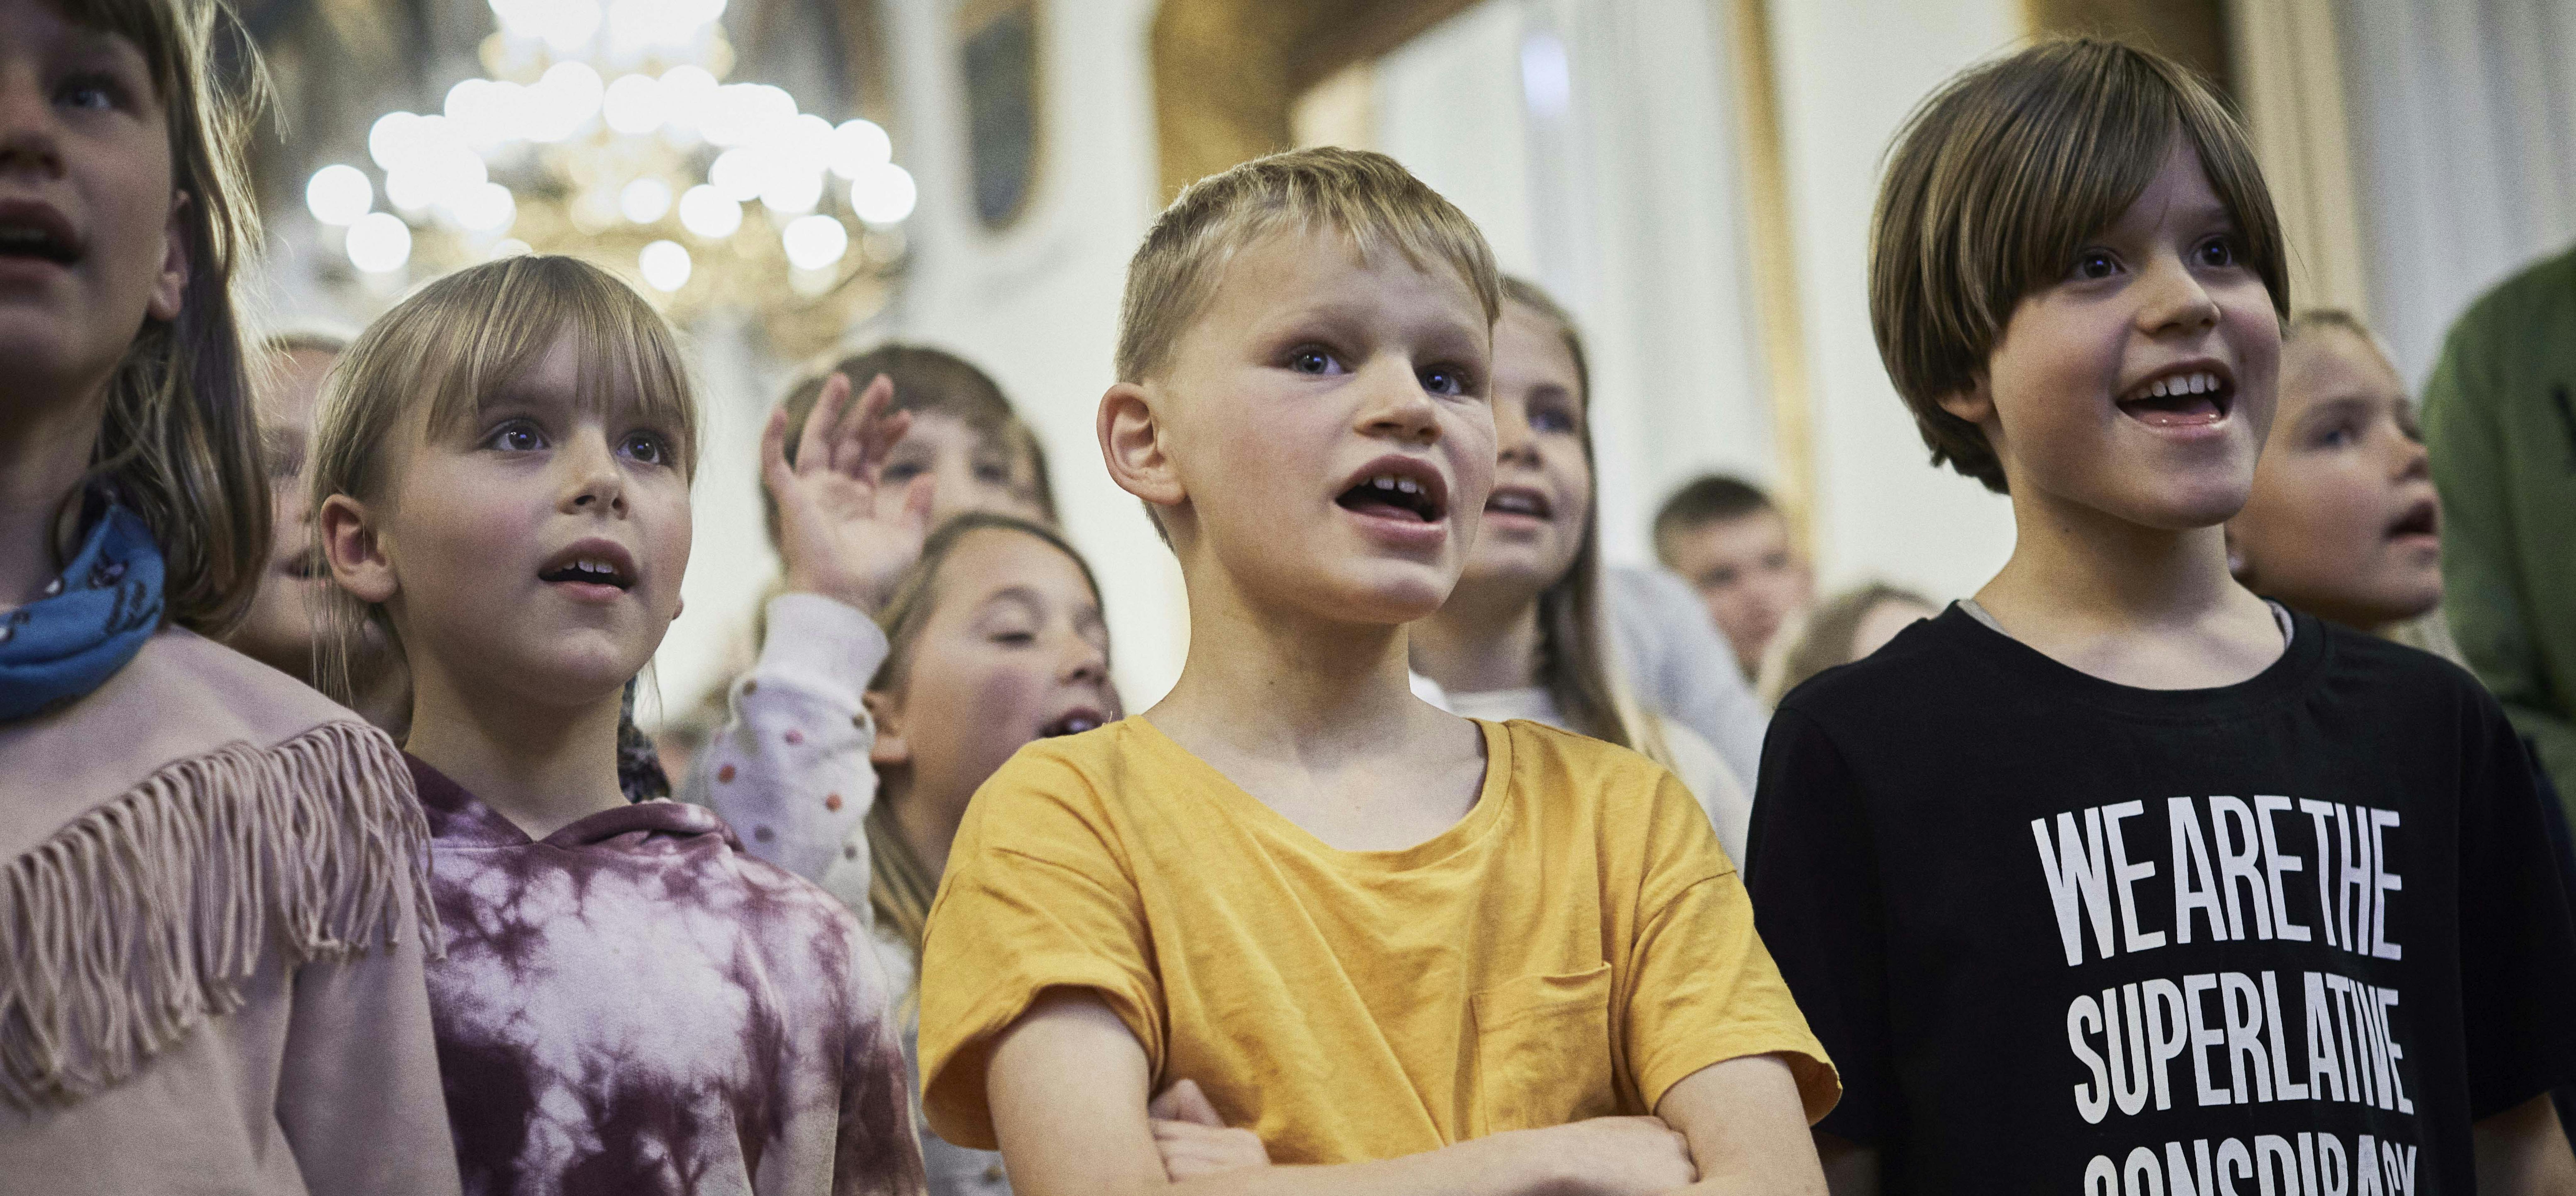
{"x":28,"y":144}
{"x":594,"y":483}
{"x":2175,"y":300}
{"x":1397,"y":405}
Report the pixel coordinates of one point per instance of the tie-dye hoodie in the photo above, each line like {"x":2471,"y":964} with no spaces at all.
{"x":633,"y":1006}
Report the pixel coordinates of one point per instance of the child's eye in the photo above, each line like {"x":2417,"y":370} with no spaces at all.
{"x":993,"y":473}
{"x":646,"y":447}
{"x":898,"y":472}
{"x":1448,"y":381}
{"x":1549,"y":419}
{"x":97,"y":93}
{"x":1015,"y":639}
{"x":516,"y":436}
{"x":1312,"y":359}
{"x":2216,"y":253}
{"x":2096,"y":264}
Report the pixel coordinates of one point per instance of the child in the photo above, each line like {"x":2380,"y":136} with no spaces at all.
{"x":1841,"y":629}
{"x":628,"y":1003}
{"x":2290,"y":921}
{"x":1521,"y":636}
{"x":1409,"y":952}
{"x":2343,"y":521}
{"x":278,"y":629}
{"x":963,"y":435}
{"x":994,"y":639}
{"x":212,"y":897}
{"x":1727,"y":539}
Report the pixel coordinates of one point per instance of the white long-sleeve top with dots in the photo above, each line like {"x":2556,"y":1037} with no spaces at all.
{"x":790,"y":773}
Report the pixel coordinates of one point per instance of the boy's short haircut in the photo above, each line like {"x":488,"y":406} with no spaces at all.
{"x":1995,"y":182}
{"x":1706,"y":499}
{"x":1367,"y":197}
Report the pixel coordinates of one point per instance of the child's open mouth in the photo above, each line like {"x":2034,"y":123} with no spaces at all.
{"x":1072,"y":722}
{"x":1398,"y":488}
{"x":1520,"y":500}
{"x":2422,"y":519}
{"x":2185,"y":397}
{"x":29,"y":230}
{"x":594,"y":569}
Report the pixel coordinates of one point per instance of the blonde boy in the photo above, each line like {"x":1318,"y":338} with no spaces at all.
{"x":2117,"y":878}
{"x":1407,"y":951}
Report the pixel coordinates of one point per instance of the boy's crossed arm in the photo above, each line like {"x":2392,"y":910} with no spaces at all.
{"x":1067,"y":1086}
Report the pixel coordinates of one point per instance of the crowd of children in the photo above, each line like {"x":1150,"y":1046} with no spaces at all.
{"x":1423,"y":878}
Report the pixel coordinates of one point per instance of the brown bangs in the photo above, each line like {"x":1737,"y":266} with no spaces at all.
{"x":1998,"y":179}
{"x":534,"y":301}
{"x":465,"y":337}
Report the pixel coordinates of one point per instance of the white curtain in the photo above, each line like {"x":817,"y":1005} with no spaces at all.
{"x":1594,"y":140}
{"x":2464,"y":127}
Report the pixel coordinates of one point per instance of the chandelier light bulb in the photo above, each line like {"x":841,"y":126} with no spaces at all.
{"x":857,"y":146}
{"x":814,"y":242}
{"x":884,"y":194}
{"x":339,"y":195}
{"x":487,"y":208}
{"x":379,"y":243}
{"x":688,"y":92}
{"x":742,"y":173}
{"x":480,"y":111}
{"x":665,"y":266}
{"x":633,"y":104}
{"x":411,"y":190}
{"x":391,"y":140}
{"x":792,"y":189}
{"x":709,"y":213}
{"x":645,"y":200}
{"x":568,"y":25}
{"x":565,"y":98}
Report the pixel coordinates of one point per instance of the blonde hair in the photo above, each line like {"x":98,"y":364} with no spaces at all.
{"x":433,"y":360}
{"x":1824,"y":637}
{"x":1367,"y":197}
{"x":900,"y":885}
{"x":1573,"y":664}
{"x":1998,"y":178}
{"x":179,"y":442}
{"x":2336,"y":319}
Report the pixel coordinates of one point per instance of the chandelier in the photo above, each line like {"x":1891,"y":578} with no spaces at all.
{"x":608,"y":131}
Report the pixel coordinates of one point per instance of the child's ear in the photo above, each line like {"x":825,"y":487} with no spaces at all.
{"x":889,"y":749}
{"x":1131,"y":442}
{"x":357,"y":557}
{"x":1976,"y":404}
{"x":171,"y":287}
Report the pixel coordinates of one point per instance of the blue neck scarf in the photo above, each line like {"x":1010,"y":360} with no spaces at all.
{"x":91,"y":620}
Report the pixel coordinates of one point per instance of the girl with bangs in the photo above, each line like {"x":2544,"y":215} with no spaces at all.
{"x":629,"y":1002}
{"x":212,"y":884}
{"x":1521,"y":636}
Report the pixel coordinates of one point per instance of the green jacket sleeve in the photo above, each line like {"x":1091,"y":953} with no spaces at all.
{"x":2486,"y":586}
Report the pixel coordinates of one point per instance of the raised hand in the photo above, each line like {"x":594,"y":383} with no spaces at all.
{"x":834,"y":542}
{"x":1194,"y":1141}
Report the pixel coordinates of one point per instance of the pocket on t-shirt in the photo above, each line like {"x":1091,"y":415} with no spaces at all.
{"x":1543,"y":1051}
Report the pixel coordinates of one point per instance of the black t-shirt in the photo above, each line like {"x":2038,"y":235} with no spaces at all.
{"x":2290,"y":936}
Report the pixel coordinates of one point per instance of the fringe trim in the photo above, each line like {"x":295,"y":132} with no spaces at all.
{"x":145,"y":916}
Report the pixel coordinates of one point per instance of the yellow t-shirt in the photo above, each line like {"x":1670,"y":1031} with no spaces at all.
{"x":1571,"y":948}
